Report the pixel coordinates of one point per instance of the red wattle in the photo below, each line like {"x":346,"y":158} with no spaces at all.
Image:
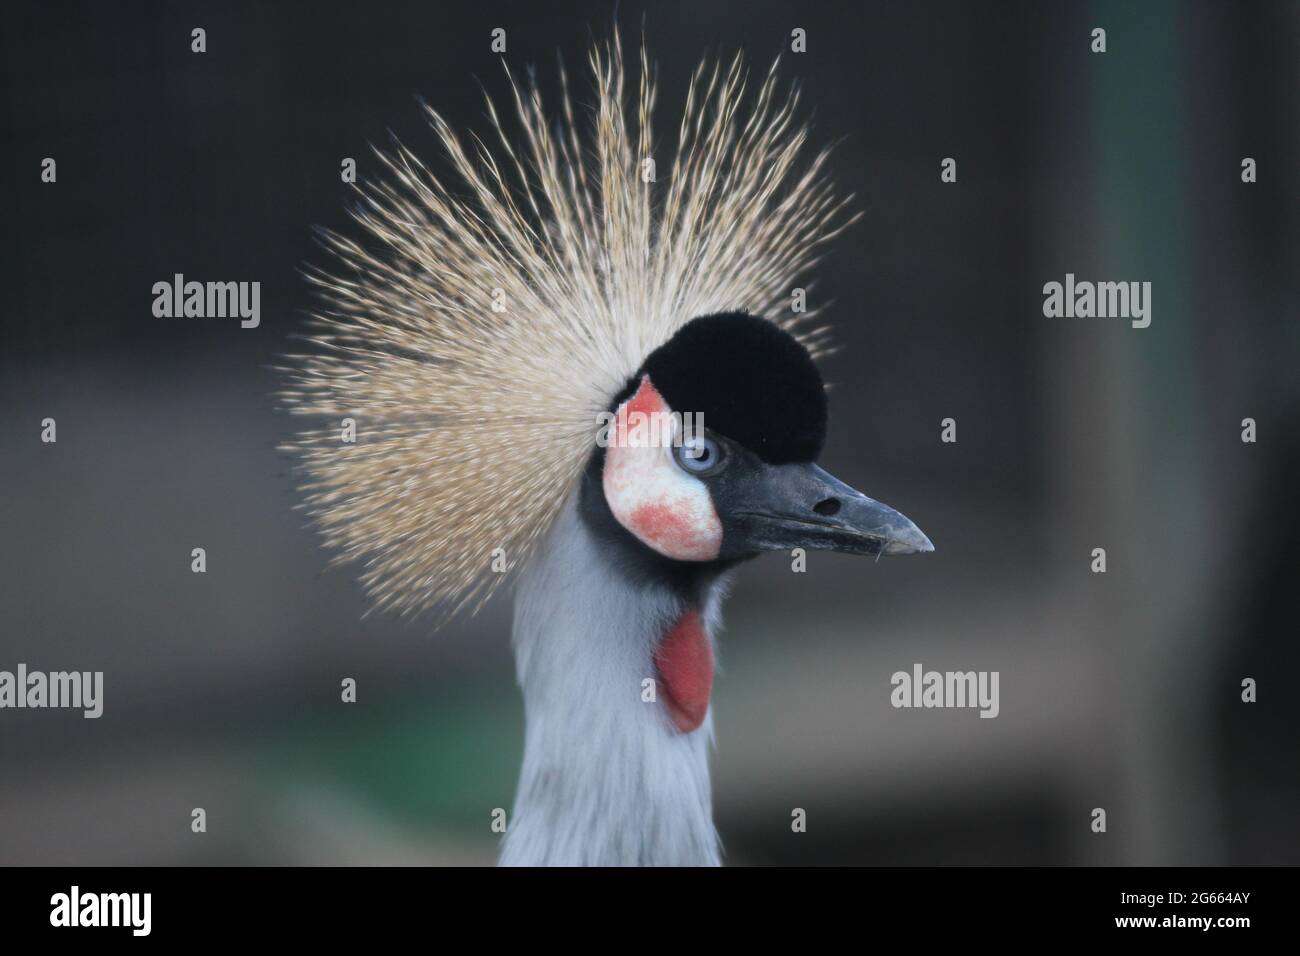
{"x":685,"y":661}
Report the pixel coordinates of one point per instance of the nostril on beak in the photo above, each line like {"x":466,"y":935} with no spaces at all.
{"x":827,"y":506}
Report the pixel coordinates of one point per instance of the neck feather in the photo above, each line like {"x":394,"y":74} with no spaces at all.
{"x":607,"y":779}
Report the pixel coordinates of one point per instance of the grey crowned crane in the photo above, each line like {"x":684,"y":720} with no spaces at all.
{"x":500,"y":342}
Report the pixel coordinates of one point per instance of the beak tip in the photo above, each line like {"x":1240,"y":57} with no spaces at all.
{"x":910,"y":541}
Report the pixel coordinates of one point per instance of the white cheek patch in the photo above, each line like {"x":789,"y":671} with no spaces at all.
{"x":647,"y":491}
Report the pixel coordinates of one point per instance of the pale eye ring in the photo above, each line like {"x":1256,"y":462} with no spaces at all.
{"x":700,"y":455}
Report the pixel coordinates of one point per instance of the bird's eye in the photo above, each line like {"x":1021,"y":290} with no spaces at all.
{"x":700,"y":455}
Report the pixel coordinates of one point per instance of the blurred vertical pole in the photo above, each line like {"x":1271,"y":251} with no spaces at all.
{"x":1146,"y":216}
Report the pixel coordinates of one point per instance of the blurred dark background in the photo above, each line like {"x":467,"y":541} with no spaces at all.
{"x":1119,"y":690}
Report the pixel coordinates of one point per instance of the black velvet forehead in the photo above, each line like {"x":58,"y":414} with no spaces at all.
{"x":752,"y":382}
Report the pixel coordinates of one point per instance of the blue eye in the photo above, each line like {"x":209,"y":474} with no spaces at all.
{"x":699,"y":455}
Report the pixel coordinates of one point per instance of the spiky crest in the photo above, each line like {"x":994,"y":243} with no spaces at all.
{"x":473,"y":424}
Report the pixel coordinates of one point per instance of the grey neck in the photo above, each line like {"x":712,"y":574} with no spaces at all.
{"x":606,"y":780}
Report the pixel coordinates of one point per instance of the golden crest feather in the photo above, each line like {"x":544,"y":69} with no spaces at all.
{"x":474,"y":424}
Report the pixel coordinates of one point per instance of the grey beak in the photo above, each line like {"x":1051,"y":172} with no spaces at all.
{"x":803,"y":506}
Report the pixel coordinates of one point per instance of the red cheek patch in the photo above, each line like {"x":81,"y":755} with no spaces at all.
{"x":667,"y":509}
{"x":658,"y":522}
{"x":646,"y":401}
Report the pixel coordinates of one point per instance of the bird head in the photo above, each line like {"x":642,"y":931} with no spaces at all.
{"x":487,"y":314}
{"x":712,"y":447}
